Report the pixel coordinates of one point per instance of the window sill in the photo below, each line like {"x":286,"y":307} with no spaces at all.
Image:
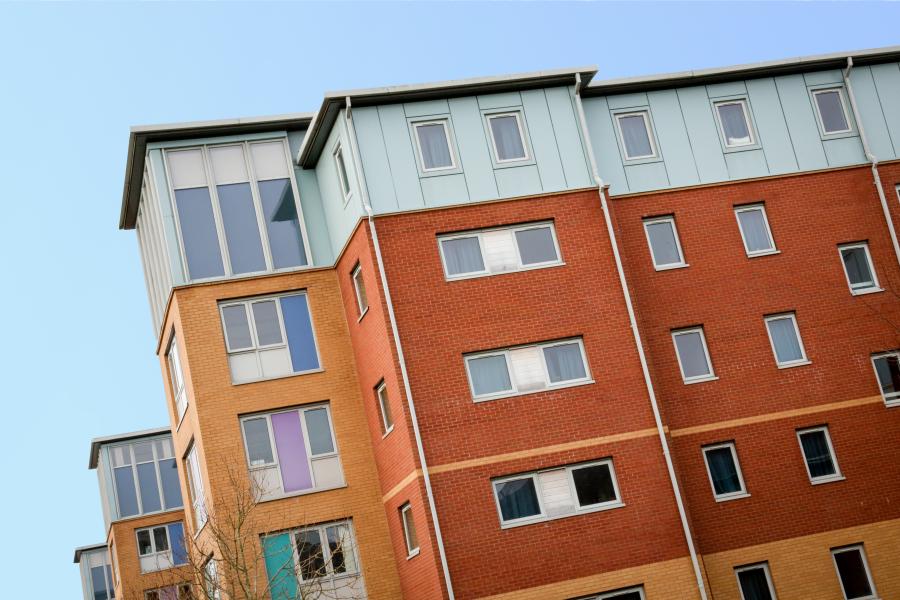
{"x":302,"y":493}
{"x":670,"y":267}
{"x":517,"y":270}
{"x":865,"y":291}
{"x":577,"y":512}
{"x":362,"y":314}
{"x":700,"y":380}
{"x":387,"y":432}
{"x":551,"y":388}
{"x":829,"y":479}
{"x":299,"y":373}
{"x":893,"y":403}
{"x":766,"y":253}
{"x":739,"y":496}
{"x":412,"y":554}
{"x":147,"y":514}
{"x":799,"y":363}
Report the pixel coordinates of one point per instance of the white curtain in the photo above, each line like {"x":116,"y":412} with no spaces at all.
{"x":784,"y":338}
{"x":507,"y":138}
{"x":489,"y":374}
{"x":734,"y":123}
{"x":753,"y":225}
{"x":434,"y":145}
{"x":564,"y":363}
{"x":462,"y":255}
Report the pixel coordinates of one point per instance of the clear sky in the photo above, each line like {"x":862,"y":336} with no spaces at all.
{"x":77,"y":358}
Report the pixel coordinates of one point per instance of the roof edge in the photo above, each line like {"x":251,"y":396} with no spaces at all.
{"x":121,"y":437}
{"x":82,"y":549}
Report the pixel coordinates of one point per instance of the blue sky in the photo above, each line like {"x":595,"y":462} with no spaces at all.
{"x":74,"y":77}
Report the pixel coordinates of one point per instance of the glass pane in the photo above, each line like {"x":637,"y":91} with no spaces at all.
{"x":507,"y":138}
{"x":854,"y":578}
{"x":360,"y":287}
{"x":489,"y":374}
{"x":298,"y":326}
{"x":309,"y":552}
{"x":409,"y":529}
{"x":160,"y":539}
{"x":817,"y":454}
{"x":518,"y":499}
{"x":163,"y":448}
{"x":856,"y":261}
{"x":536,"y":245}
{"x":754,"y":230}
{"x":121,"y":455}
{"x":635,"y":136}
{"x":319,"y":431}
{"x":387,"y":418}
{"x":754,"y":584}
{"x":785,"y":340}
{"x":98,"y":582}
{"x":625,"y":596}
{"x":241,"y":228}
{"x":143,"y":452}
{"x":150,"y":501}
{"x":342,"y":172}
{"x":831,"y":111}
{"x":564,"y":363}
{"x":342,"y":560}
{"x":237,"y":329}
{"x":663,"y":244}
{"x":198,"y":233}
{"x":723,"y":471}
{"x":593,"y":485}
{"x":228,"y":164}
{"x":888,"y":369}
{"x":268,"y":327}
{"x":462,"y":255}
{"x":734,"y":124}
{"x":259,"y":447}
{"x":268,"y":160}
{"x":186,"y":168}
{"x":168,"y":474}
{"x":125,"y":492}
{"x":282,"y":223}
{"x":691,"y":355}
{"x":145,"y":546}
{"x":434,"y":146}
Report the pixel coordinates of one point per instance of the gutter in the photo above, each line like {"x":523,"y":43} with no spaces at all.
{"x":364,"y":198}
{"x":601,"y":187}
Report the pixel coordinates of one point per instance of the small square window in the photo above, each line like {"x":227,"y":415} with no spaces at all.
{"x":818,"y":455}
{"x":433,"y":143}
{"x":724,"y":472}
{"x":693,"y":355}
{"x":518,"y":499}
{"x":387,"y":420}
{"x":409,"y":530}
{"x":340,"y":166}
{"x":858,"y":268}
{"x":734,"y":123}
{"x":755,"y":582}
{"x":359,"y":287}
{"x":665,"y":247}
{"x":508,"y":137}
{"x":831,"y":111}
{"x":853,"y":573}
{"x":785,"y":339}
{"x":755,"y":232}
{"x":887,"y":371}
{"x":636,"y":136}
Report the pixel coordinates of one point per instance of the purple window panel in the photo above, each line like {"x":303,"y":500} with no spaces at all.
{"x":291,"y":451}
{"x":168,"y":593}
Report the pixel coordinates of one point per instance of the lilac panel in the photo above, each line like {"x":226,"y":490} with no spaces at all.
{"x":291,"y":451}
{"x":168,"y":593}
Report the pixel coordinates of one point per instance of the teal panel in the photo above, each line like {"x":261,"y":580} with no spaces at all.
{"x":445,"y":190}
{"x":311,"y":205}
{"x":472,"y":146}
{"x":870,"y":112}
{"x":701,"y":128}
{"x":844,"y":151}
{"x":730,"y":88}
{"x":543,"y":140}
{"x":518,"y":181}
{"x":627,"y":100}
{"x":568,"y":137}
{"x":647,"y":176}
{"x":771,"y":126}
{"x":887,"y":83}
{"x":279,"y":558}
{"x":404,"y":172}
{"x":672,"y":138}
{"x":505,"y":100}
{"x":603,"y":141}
{"x":801,"y":122}
{"x":340,"y":217}
{"x":747,"y":164}
{"x":168,"y":217}
{"x":823,"y":77}
{"x":375,"y":164}
{"x":426,"y":108}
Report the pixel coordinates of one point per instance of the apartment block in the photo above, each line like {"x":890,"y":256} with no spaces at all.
{"x":530,"y":336}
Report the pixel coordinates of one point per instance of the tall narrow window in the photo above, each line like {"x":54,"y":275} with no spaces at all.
{"x":409,"y":530}
{"x":755,"y":582}
{"x":755,"y":232}
{"x":384,"y":407}
{"x":724,"y":471}
{"x":502,"y":250}
{"x":818,"y":455}
{"x":665,"y":247}
{"x":734,"y":122}
{"x":433,"y":143}
{"x":341,"y":167}
{"x":785,"y":338}
{"x":176,"y":378}
{"x":887,"y":371}
{"x":508,"y":137}
{"x":853,"y":573}
{"x":831,"y":111}
{"x":693,"y":355}
{"x":858,"y":268}
{"x":359,"y":287}
{"x":211,"y":584}
{"x":634,"y":130}
{"x":195,"y":483}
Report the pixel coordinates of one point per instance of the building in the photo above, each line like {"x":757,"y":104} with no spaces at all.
{"x":535,"y":336}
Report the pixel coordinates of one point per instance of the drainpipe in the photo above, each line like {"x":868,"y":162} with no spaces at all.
{"x":870,"y":157}
{"x":637,"y":340}
{"x":364,"y":197}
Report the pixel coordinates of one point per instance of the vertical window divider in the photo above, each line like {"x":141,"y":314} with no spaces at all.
{"x":217,"y":213}
{"x":258,"y":208}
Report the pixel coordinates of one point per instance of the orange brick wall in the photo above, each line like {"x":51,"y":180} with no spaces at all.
{"x":131,"y":583}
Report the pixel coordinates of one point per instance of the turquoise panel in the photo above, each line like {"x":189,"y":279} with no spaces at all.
{"x":340,"y":215}
{"x":747,"y":164}
{"x":473,"y":150}
{"x":627,"y":100}
{"x":823,"y":77}
{"x":404,"y":172}
{"x":568,"y":137}
{"x":543,"y":140}
{"x":445,"y":190}
{"x":426,"y":108}
{"x":887,"y":83}
{"x":311,"y":206}
{"x":603,"y":141}
{"x":505,"y":100}
{"x":871,"y":113}
{"x":168,"y":217}
{"x":801,"y":122}
{"x":771,"y":126}
{"x":279,"y":558}
{"x":372,"y":151}
{"x":518,"y":181}
{"x":647,"y":176}
{"x":672,"y":138}
{"x":730,"y":88}
{"x":704,"y":136}
{"x":844,"y":151}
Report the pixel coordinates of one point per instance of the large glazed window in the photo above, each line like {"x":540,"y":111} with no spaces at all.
{"x":237,"y":209}
{"x":145,"y":477}
{"x":494,"y":251}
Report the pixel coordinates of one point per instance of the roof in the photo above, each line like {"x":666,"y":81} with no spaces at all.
{"x":788,"y":66}
{"x":82,"y":549}
{"x":122,"y":437}
{"x":142,"y":135}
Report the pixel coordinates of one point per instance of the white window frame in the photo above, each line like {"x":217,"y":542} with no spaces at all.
{"x":541,"y":516}
{"x":520,"y":122}
{"x":179,"y":589}
{"x":671,"y":220}
{"x":211,"y":586}
{"x":196,"y":488}
{"x":340,"y":168}
{"x":445,"y":123}
{"x":619,"y":593}
{"x":356,"y":277}
{"x":865,"y":561}
{"x":761,"y":208}
{"x":747,"y":120}
{"x":742,"y":493}
{"x":894,"y":399}
{"x":804,"y":360}
{"x":322,"y":529}
{"x":818,"y":110}
{"x":645,"y":114}
{"x":837,"y":475}
{"x":382,"y":397}
{"x":176,"y":373}
{"x":478,"y":233}
{"x":134,"y":474}
{"x":765,"y":568}
{"x":859,"y":290}
{"x":406,"y":510}
{"x":164,"y":559}
{"x":698,"y":378}
{"x":505,"y":352}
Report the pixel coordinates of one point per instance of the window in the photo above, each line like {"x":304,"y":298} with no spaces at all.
{"x":292,"y":451}
{"x":171,"y":592}
{"x":236,"y":202}
{"x":785,"y":339}
{"x":632,"y":593}
{"x":526,"y":369}
{"x":755,"y":582}
{"x":433,"y":143}
{"x":341,"y":167}
{"x":724,"y":471}
{"x":831,"y":112}
{"x":858,"y":268}
{"x":693,"y":355}
{"x":145,"y":477}
{"x":161,"y":547}
{"x":508,"y":137}
{"x":665,"y":248}
{"x":493,"y":251}
{"x":269,"y":337}
{"x":359,"y":286}
{"x":95,"y":568}
{"x":176,"y":378}
{"x":384,"y":407}
{"x":195,"y":485}
{"x":324,"y":553}
{"x":734,"y":123}
{"x":818,"y":454}
{"x":211,"y":584}
{"x":853,"y":573}
{"x":887,"y":371}
{"x":755,"y":232}
{"x":409,"y":530}
{"x":634,"y":130}
{"x":555,"y":493}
